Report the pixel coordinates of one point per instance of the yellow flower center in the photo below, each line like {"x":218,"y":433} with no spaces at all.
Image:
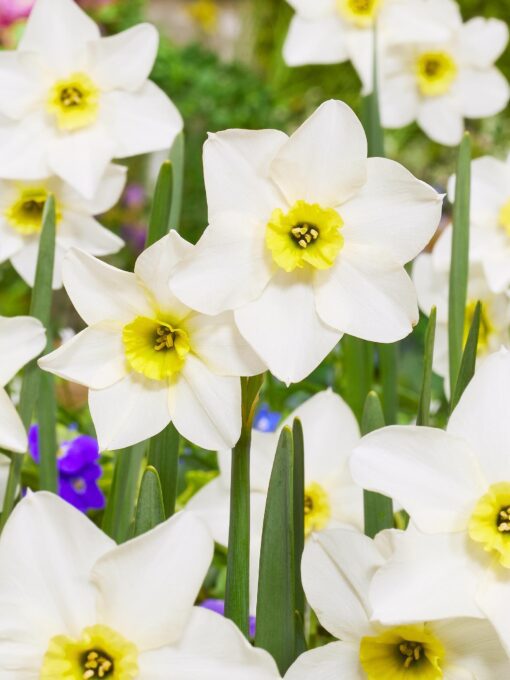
{"x":362,"y":13}
{"x":25,"y":214}
{"x":402,"y":653}
{"x":490,"y":522}
{"x":504,"y":217}
{"x":155,"y":348}
{"x":74,"y":102}
{"x":317,"y":508}
{"x":307,"y":234}
{"x":436,"y":72}
{"x":99,"y":653}
{"x":486,"y":327}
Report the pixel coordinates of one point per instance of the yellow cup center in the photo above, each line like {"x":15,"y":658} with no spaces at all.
{"x":487,"y":328}
{"x":74,"y":102}
{"x":155,"y":348}
{"x":307,"y":235}
{"x":403,"y":652}
{"x":436,"y":73}
{"x":26,"y":213}
{"x":317,"y":508}
{"x":361,"y":13}
{"x":99,"y":653}
{"x":490,"y":522}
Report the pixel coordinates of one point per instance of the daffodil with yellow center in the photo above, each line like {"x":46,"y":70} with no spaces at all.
{"x":317,"y":508}
{"x":402,"y":653}
{"x":435,"y":72}
{"x":26,"y":213}
{"x":306,"y":235}
{"x":74,"y":102}
{"x":100,"y":653}
{"x":361,"y":13}
{"x":490,"y":522}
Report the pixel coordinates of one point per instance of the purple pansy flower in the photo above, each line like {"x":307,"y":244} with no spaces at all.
{"x":266,"y":420}
{"x":78,"y":470}
{"x":218,"y":606}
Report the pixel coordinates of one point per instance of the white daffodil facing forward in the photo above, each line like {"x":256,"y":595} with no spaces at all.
{"x":307,"y":240}
{"x":22,"y":338}
{"x":147,"y":358}
{"x":432,"y":286}
{"x":439,"y":82}
{"x":74,"y":605}
{"x":72,"y":100}
{"x":21,"y":210}
{"x":337,"y":570}
{"x":456,"y":487}
{"x":331,"y":498}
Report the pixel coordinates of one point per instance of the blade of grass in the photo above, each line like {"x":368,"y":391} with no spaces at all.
{"x":159,"y":223}
{"x":358,"y":367}
{"x":426,"y":383}
{"x":177,"y":158}
{"x":299,"y":533}
{"x":150,"y":510}
{"x":468,"y":363}
{"x":164,"y":457}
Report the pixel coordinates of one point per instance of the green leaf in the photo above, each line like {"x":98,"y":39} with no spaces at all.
{"x":459,"y":259}
{"x":426,"y":383}
{"x":40,"y":308}
{"x":299,"y":533}
{"x":177,"y":157}
{"x":378,"y":508}
{"x":237,"y":589}
{"x":358,"y":367}
{"x":468,"y":363}
{"x":159,"y":223}
{"x":164,"y":457}
{"x":47,"y":418}
{"x":276,"y":602}
{"x":150,"y":510}
{"x":388,"y":366}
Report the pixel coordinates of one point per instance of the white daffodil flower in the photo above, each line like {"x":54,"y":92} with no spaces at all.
{"x":439,"y":82}
{"x":432,"y":286}
{"x":74,"y":605}
{"x":72,"y":100}
{"x":22,"y":338}
{"x":21,"y":210}
{"x":331,"y":498}
{"x":147,"y":358}
{"x":337,"y":570}
{"x":308,"y":240}
{"x":456,"y":487}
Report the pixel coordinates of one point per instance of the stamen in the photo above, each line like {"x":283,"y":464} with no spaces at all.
{"x":165,"y":339}
{"x":503,"y":521}
{"x":411,"y":651}
{"x":97,"y":664}
{"x":304,"y":234}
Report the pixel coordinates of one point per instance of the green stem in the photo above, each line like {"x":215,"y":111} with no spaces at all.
{"x":164,"y":457}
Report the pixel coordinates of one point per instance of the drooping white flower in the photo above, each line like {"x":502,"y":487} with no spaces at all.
{"x":331,"y":498}
{"x":22,"y":338}
{"x":74,"y":605}
{"x":307,"y":239}
{"x":72,"y":100}
{"x":456,"y":487}
{"x":337,"y":570}
{"x":439,"y":78}
{"x":21,"y":210}
{"x":149,"y":359}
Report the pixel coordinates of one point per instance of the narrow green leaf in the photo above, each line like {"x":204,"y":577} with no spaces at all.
{"x":237,"y":588}
{"x":378,"y":508}
{"x":177,"y":158}
{"x":47,"y":418}
{"x":426,"y":383}
{"x":40,"y":308}
{"x":159,"y":223}
{"x":119,"y":511}
{"x":299,"y":532}
{"x":164,"y":457}
{"x":276,"y":605}
{"x":150,"y":510}
{"x":388,"y":366}
{"x":459,"y":259}
{"x":358,"y":368}
{"x":468,"y":363}
{"x":371,"y":117}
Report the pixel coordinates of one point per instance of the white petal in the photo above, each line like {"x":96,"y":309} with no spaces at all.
{"x":94,"y":358}
{"x":22,"y":338}
{"x":283,"y":327}
{"x":156,"y":612}
{"x":107,"y":195}
{"x":490,"y":187}
{"x":212,"y":504}
{"x":393,"y":210}
{"x":219,"y":345}
{"x":398,"y":100}
{"x":315,"y":41}
{"x":428,"y":577}
{"x":482,"y":93}
{"x":212,"y":648}
{"x":432,"y":474}
{"x":12,"y":432}
{"x":441,"y":119}
{"x":431,"y":286}
{"x":142,"y":121}
{"x":25,"y":147}
{"x":25,"y":262}
{"x":205,"y":407}
{"x":325,"y":160}
{"x":236,"y":171}
{"x":229,"y":267}
{"x":483,"y":41}
{"x":481,"y":416}
{"x":124,"y":61}
{"x":85,"y":233}
{"x":59,"y":30}
{"x":367,"y":294}
{"x":336,"y":569}
{"x":334,"y":660}
{"x":311,"y":10}
{"x":360,"y":47}
{"x":11,"y":241}
{"x":19,"y":83}
{"x":101,"y":292}
{"x":492,"y":599}
{"x":46,"y":553}
{"x":117,"y":411}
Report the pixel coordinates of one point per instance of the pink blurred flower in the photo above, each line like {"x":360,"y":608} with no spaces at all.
{"x":13,"y":10}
